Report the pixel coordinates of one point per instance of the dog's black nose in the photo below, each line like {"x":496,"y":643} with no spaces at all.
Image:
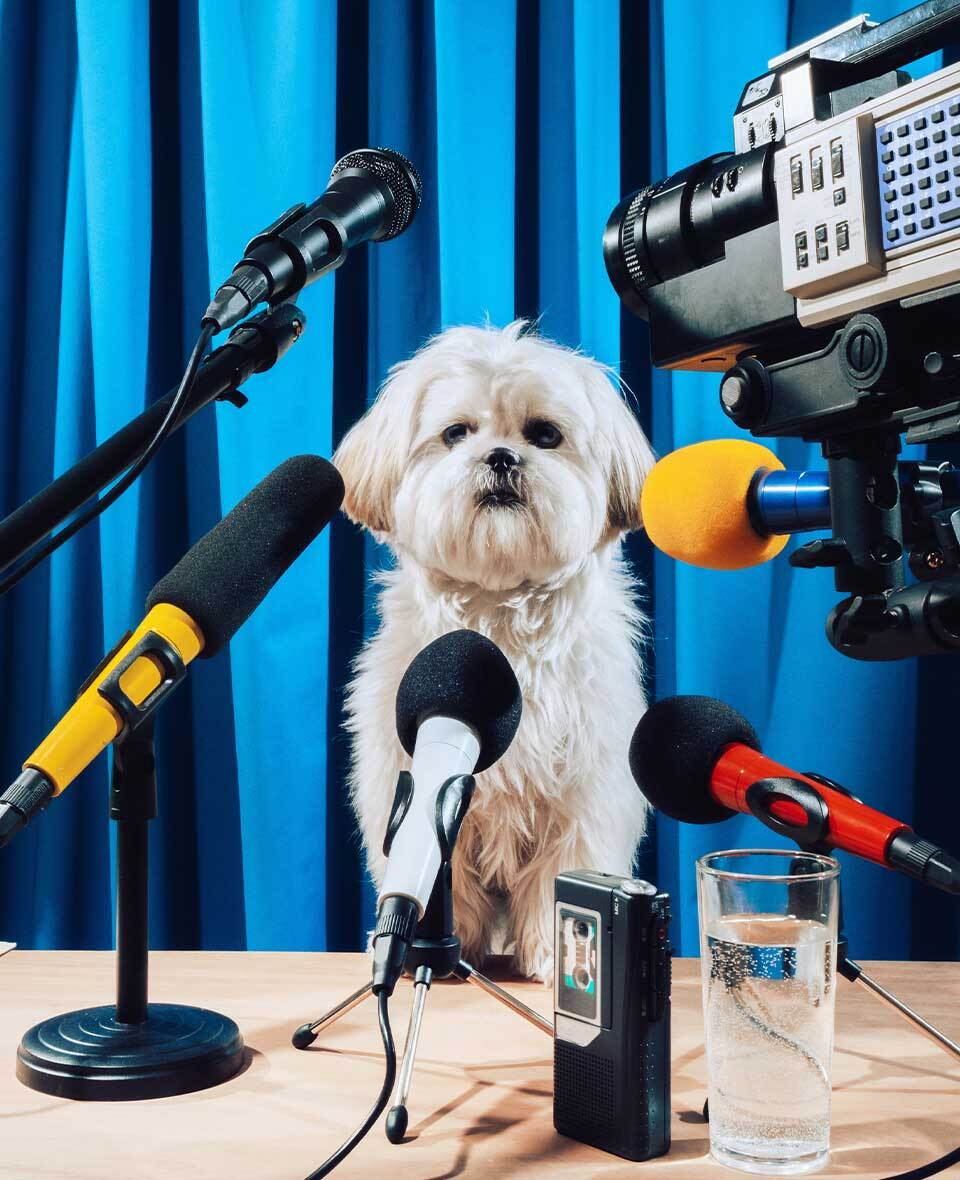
{"x":501,"y":459}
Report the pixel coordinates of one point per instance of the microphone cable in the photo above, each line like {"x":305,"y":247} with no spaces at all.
{"x":390,"y":1057}
{"x":136,"y":469}
{"x":931,"y":1169}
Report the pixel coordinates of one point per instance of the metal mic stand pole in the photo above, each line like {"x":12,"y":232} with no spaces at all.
{"x":433,"y":954}
{"x":252,"y":347}
{"x":132,"y":1049}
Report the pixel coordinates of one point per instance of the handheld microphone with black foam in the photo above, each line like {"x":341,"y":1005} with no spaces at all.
{"x":195,"y":609}
{"x":729,"y":504}
{"x":373,"y":194}
{"x":458,"y":708}
{"x":698,"y":761}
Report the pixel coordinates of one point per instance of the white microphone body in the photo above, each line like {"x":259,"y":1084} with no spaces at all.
{"x":445,"y":748}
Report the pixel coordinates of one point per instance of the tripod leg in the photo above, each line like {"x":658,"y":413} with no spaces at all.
{"x":858,"y":975}
{"x":397,"y":1117}
{"x":464,"y":971}
{"x":306,"y":1034}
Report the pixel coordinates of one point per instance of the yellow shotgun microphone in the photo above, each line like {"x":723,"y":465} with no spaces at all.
{"x":193,"y":611}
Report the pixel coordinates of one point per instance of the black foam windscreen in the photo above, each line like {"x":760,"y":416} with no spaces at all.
{"x":221,"y":581}
{"x":674,"y":750}
{"x":465,"y":676}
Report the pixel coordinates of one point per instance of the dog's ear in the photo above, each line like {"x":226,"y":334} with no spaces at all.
{"x":372,"y":456}
{"x":631,"y":458}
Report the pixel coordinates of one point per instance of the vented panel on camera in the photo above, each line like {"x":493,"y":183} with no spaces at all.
{"x":918,"y":161}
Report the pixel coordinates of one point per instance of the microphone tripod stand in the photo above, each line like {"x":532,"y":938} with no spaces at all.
{"x":433,"y":954}
{"x":132,"y":1049}
{"x":812,"y":838}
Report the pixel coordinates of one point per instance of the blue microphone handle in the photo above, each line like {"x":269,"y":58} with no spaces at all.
{"x":781,"y":502}
{"x":789,"y":501}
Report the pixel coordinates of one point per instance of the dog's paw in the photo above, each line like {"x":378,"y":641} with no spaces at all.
{"x":545,"y":972}
{"x":537,"y":965}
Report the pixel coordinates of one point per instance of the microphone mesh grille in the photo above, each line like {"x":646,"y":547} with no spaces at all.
{"x":399,"y":175}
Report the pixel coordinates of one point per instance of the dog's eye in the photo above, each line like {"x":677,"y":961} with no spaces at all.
{"x":542,"y":433}
{"x":455,"y":433}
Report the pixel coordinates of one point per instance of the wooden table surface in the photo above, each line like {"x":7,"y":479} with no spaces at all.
{"x":481,"y":1099}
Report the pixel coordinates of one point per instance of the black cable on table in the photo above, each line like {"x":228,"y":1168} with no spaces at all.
{"x":390,"y":1055}
{"x":180,"y":399}
{"x":931,"y":1169}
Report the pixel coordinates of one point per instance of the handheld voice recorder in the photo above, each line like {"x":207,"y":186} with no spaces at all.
{"x":611,"y":1085}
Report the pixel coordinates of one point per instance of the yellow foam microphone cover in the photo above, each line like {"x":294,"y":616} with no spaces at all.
{"x":694,"y":505}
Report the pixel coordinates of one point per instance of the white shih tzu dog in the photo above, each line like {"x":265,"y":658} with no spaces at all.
{"x":502,"y":470}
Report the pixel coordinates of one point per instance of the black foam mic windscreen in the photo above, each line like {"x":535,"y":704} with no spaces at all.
{"x":221,"y":581}
{"x":675,"y":748}
{"x":467,"y":677}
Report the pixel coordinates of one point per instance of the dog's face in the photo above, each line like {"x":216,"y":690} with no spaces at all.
{"x":496,"y":459}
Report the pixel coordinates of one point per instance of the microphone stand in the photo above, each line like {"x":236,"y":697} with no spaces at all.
{"x":132,"y":1049}
{"x":252,"y":347}
{"x":434,"y":952}
{"x":812,"y":838}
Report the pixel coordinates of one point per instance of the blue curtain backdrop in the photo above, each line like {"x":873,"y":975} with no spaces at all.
{"x":141,"y":145}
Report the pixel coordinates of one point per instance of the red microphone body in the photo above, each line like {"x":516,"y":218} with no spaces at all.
{"x":852,"y":825}
{"x":699,"y":761}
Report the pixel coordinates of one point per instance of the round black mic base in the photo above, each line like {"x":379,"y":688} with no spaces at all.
{"x":89,"y":1055}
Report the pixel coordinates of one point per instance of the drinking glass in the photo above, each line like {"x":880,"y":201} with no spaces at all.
{"x":768,"y":947}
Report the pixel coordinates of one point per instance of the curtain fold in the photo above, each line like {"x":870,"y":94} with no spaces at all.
{"x":143,"y":144}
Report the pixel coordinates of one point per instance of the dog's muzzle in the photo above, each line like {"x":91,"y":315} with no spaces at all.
{"x":500,"y":482}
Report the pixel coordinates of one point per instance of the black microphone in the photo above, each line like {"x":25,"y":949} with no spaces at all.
{"x":458,"y":708}
{"x":699,"y":761}
{"x":373,"y":194}
{"x":225,"y":576}
{"x":192,"y":611}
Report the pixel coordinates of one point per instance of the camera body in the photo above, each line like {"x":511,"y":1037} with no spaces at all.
{"x":612,"y":1014}
{"x":825,"y":250}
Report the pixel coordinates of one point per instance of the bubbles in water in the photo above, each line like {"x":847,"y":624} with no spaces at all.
{"x":768,"y":1005}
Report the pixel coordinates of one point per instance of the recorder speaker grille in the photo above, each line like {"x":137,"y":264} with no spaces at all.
{"x":583,"y":1086}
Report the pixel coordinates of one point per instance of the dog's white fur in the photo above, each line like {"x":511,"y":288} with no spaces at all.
{"x":543,"y":578}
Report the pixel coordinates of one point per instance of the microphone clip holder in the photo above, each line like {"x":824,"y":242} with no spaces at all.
{"x":434,"y":953}
{"x":813,"y":836}
{"x":132,"y":1049}
{"x":172,"y":670}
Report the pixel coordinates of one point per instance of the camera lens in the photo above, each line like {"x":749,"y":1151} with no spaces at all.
{"x":682,"y":223}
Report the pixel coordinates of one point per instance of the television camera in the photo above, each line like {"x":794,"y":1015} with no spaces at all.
{"x":817,"y":267}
